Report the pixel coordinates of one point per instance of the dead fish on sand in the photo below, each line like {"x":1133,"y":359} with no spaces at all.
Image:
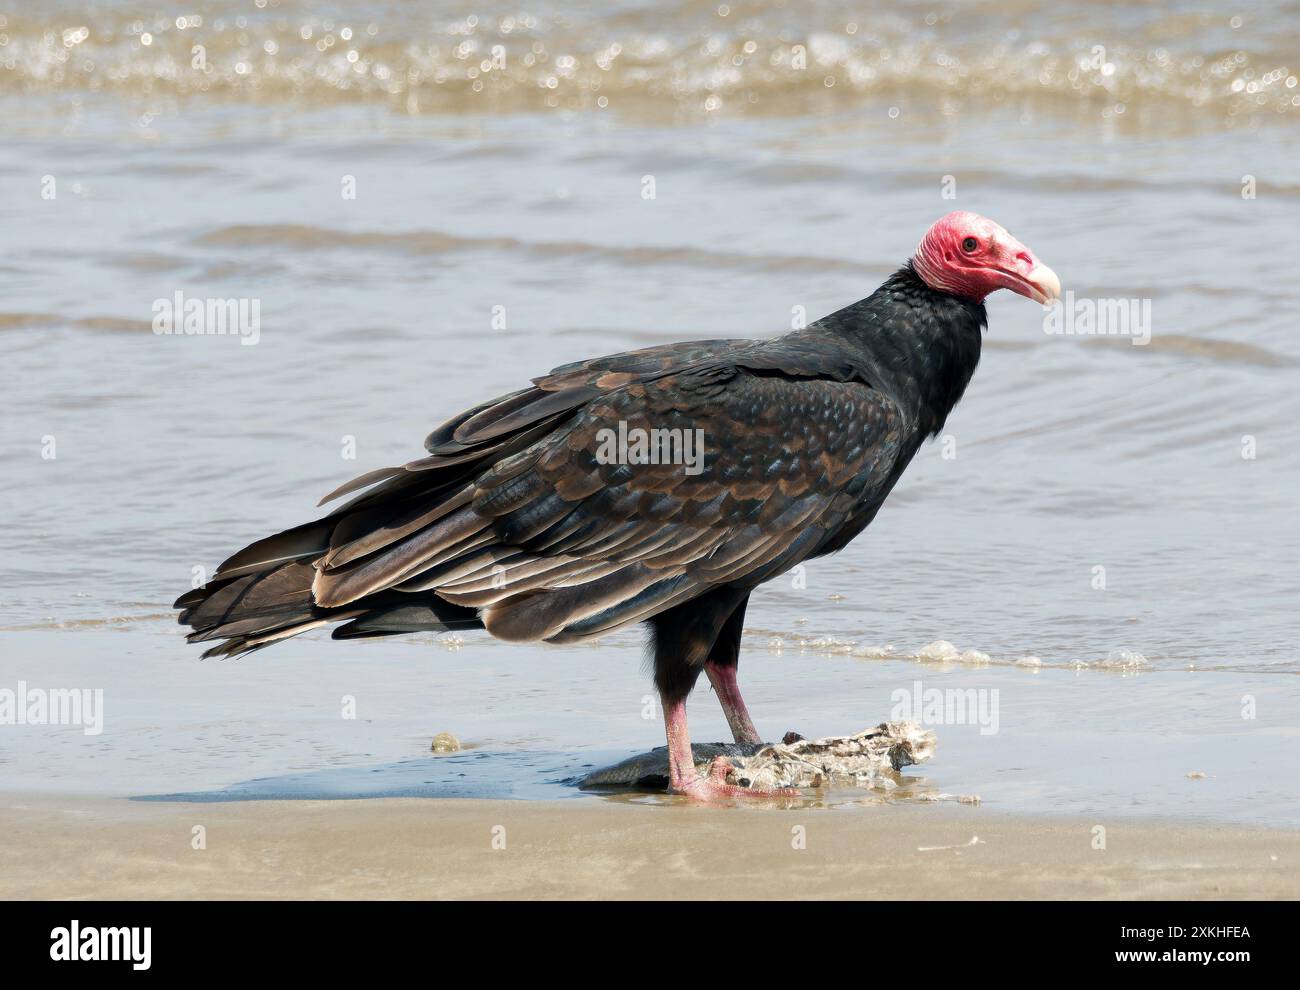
{"x":859,"y":760}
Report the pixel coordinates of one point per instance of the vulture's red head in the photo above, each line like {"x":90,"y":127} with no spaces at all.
{"x":968,"y":255}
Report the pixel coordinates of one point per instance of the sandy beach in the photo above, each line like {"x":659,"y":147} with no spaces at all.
{"x":1085,"y":585}
{"x":85,"y":849}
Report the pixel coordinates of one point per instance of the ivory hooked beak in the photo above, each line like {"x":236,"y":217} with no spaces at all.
{"x":1044,"y":286}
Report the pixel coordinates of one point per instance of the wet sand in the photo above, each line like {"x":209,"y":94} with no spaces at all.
{"x":1105,"y":530}
{"x":401,"y":848}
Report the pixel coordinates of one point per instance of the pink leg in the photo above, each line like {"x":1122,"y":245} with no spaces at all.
{"x":724,"y":684}
{"x":682,"y":775}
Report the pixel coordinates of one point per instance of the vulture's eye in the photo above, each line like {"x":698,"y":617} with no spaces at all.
{"x":969,"y":245}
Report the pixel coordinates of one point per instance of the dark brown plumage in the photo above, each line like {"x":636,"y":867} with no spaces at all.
{"x":513,"y":521}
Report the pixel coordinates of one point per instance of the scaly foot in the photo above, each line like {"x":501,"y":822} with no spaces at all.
{"x":714,"y":786}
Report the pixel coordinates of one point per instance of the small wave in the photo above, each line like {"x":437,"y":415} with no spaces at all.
{"x":939,"y":651}
{"x":146,"y":261}
{"x":763,"y":57}
{"x":1218,"y":351}
{"x":52,"y":624}
{"x":300,"y":237}
{"x":50,"y":321}
{"x":1121,"y":660}
{"x":24,"y":321}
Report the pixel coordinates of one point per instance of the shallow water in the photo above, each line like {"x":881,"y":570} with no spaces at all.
{"x":773,"y":190}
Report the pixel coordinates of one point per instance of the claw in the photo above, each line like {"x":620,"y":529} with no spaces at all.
{"x":714,"y":787}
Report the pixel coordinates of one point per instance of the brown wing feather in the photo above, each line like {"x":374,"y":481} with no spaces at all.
{"x":514,"y":513}
{"x":777,"y":453}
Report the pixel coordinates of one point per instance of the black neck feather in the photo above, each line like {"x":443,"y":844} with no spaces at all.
{"x":922,"y":345}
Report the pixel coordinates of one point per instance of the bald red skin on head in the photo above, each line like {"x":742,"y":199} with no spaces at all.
{"x":969,"y":256}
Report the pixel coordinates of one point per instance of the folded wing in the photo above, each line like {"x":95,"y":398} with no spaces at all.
{"x":607,"y":492}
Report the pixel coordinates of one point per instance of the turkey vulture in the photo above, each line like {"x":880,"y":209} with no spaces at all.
{"x":546,"y":514}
